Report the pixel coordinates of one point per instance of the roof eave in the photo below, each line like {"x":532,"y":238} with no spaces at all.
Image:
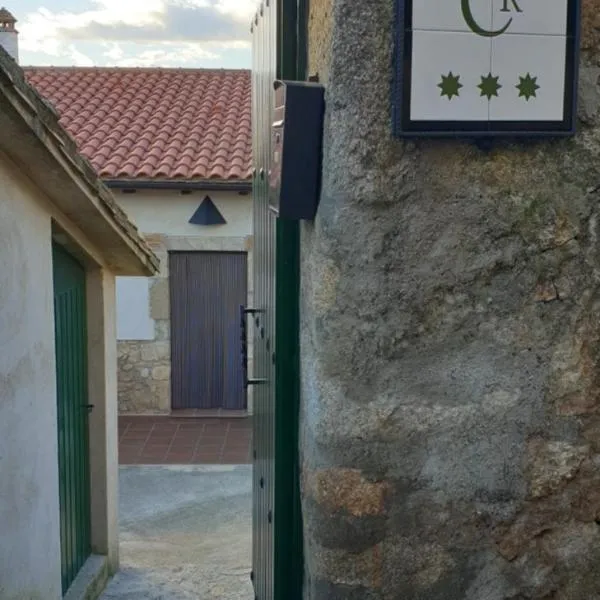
{"x":223,"y":185}
{"x":32,"y":138}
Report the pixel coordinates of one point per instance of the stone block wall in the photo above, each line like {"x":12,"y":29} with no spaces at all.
{"x":450,"y":350}
{"x":144,"y":376}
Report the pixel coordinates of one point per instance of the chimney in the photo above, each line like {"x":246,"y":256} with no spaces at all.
{"x":9,"y":36}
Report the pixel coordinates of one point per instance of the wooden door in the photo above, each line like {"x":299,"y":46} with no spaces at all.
{"x":207,"y":290}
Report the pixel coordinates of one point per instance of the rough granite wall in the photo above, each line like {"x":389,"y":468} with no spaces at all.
{"x":450,"y":345}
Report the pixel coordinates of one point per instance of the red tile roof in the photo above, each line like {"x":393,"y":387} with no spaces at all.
{"x":154,"y":123}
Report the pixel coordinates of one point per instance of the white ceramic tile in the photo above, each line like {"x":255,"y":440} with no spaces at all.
{"x":543,"y":17}
{"x":437,"y":54}
{"x":540,"y":56}
{"x":447,"y":15}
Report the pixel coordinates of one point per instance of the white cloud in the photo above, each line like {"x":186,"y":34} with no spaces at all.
{"x":166,"y":31}
{"x":242,"y":10}
{"x":41,"y":31}
{"x":79,"y":58}
{"x":113,"y":51}
{"x":164,"y":56}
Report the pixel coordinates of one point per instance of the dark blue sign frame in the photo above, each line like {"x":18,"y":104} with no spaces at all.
{"x":404,"y":126}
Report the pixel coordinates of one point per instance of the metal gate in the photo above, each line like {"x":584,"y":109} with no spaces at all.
{"x":277,"y":524}
{"x":72,"y":399}
{"x":207,"y":289}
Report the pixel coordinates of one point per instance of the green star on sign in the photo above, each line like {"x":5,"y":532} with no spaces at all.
{"x":489,"y":86}
{"x":527,"y":87}
{"x":450,"y":85}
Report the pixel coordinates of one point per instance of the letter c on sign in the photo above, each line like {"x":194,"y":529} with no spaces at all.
{"x":474,"y":26}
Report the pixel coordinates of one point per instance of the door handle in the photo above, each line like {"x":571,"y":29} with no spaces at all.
{"x":89,"y":407}
{"x":244,"y":339}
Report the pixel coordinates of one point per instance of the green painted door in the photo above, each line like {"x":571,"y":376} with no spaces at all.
{"x":71,"y":389}
{"x":277,"y":522}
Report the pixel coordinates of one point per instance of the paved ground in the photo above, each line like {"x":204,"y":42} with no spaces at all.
{"x":185,"y":534}
{"x":169,"y":440}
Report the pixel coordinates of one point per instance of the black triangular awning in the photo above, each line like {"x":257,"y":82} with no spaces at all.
{"x":207,"y":214}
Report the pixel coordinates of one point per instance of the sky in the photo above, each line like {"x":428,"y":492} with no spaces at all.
{"x":135,"y":33}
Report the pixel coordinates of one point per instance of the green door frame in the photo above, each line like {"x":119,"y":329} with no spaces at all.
{"x":277,"y":520}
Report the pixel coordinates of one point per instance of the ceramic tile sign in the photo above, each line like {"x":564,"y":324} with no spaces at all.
{"x":486,"y":67}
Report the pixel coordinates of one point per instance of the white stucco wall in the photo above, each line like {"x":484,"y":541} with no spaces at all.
{"x":29,"y":501}
{"x":168,"y":213}
{"x":134,"y":321}
{"x":30,"y":553}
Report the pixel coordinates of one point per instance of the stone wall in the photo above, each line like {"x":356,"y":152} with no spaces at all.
{"x":450,"y":345}
{"x":145,"y":376}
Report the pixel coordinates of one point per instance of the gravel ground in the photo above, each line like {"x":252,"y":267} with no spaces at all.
{"x":185,"y":534}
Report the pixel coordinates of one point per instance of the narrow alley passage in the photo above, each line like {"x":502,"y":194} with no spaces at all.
{"x":185,"y":487}
{"x":185,"y":533}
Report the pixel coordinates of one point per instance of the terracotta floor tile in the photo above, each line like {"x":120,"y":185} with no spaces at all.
{"x":211,"y":443}
{"x":164,"y":440}
{"x":154,"y":451}
{"x":141,"y":428}
{"x":179,"y":450}
{"x":212,"y":439}
{"x":184,"y":444}
{"x":187,"y":435}
{"x":125,"y":456}
{"x":150,"y":459}
{"x":135,"y":437}
{"x":133,"y":442}
{"x":215,"y":425}
{"x":156,"y":448}
{"x":163,"y":431}
{"x":238,"y":443}
{"x":160,"y":439}
{"x":125,"y":450}
{"x":195,"y":426}
{"x":182,"y":450}
{"x":239,"y":435}
{"x":240,"y":439}
{"x":244,"y":451}
{"x":237,"y":451}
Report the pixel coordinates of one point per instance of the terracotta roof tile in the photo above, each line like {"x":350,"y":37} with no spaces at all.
{"x":154,"y":123}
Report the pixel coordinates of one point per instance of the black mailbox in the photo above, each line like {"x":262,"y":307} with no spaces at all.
{"x":297,"y":131}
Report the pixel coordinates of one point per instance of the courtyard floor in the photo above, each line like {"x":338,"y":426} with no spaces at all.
{"x":185,"y":533}
{"x":171,"y":440}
